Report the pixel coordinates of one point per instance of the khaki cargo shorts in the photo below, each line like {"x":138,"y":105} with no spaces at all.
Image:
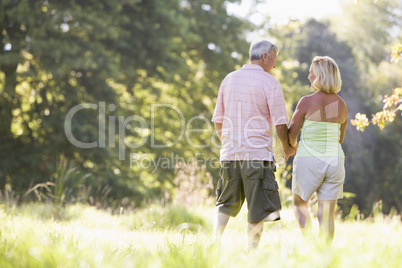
{"x":250,"y":180}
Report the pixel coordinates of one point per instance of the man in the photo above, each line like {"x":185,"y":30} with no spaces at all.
{"x":249,"y":102}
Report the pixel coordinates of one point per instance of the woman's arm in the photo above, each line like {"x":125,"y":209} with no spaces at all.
{"x":343,"y":130}
{"x":297,"y":121}
{"x":344,"y":124}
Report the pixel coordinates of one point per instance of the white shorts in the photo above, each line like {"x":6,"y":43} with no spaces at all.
{"x":324,"y":175}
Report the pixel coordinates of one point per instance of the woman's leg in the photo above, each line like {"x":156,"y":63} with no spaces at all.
{"x":326,"y":218}
{"x":302,"y":213}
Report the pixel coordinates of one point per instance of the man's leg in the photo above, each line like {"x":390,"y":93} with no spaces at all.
{"x":326,"y":218}
{"x":302,"y":213}
{"x":220,"y":222}
{"x":262,"y":195}
{"x":254,"y":234}
{"x":230,"y":197}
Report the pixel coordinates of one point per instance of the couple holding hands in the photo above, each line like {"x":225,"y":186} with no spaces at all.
{"x":250,"y":101}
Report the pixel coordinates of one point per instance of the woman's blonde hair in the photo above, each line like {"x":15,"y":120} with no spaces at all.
{"x":328,"y":78}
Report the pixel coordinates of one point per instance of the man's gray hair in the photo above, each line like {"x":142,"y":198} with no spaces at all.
{"x":258,"y":48}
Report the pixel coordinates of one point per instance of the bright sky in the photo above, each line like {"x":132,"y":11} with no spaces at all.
{"x":280,"y":11}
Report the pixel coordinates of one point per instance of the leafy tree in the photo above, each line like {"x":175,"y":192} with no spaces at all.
{"x":372,"y":46}
{"x":371,"y":27}
{"x":121,"y":57}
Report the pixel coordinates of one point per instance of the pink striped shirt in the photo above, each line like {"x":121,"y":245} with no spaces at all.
{"x":249,"y":102}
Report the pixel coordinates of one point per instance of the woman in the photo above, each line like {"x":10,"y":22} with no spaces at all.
{"x":319,"y":162}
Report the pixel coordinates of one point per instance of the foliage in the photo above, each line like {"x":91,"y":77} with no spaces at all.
{"x":125,"y":57}
{"x":392,"y":104}
{"x":378,"y":77}
{"x":396,"y":53}
{"x":122,"y":57}
{"x":371,"y":43}
{"x":389,"y":17}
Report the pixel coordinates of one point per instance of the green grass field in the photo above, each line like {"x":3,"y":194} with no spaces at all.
{"x":40,"y":235}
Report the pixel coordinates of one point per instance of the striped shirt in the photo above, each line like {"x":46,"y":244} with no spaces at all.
{"x":249,"y":102}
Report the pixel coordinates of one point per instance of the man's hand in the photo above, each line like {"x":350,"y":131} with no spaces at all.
{"x":282,"y":132}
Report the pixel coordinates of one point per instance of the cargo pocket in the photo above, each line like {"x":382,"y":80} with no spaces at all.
{"x":270,"y":188}
{"x":269,"y":184}
{"x":223,"y":180}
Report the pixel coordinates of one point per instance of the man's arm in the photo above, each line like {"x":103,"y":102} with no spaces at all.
{"x":218,"y":128}
{"x":277,"y":109}
{"x":282,"y":133}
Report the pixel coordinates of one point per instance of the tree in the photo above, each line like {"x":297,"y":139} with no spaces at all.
{"x":373,"y":51}
{"x":392,"y":103}
{"x":370,"y":28}
{"x":122,"y":57}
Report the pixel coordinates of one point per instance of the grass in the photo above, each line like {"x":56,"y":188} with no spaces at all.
{"x":174,"y":236}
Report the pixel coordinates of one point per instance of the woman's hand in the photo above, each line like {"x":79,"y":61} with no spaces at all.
{"x":289,"y":151}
